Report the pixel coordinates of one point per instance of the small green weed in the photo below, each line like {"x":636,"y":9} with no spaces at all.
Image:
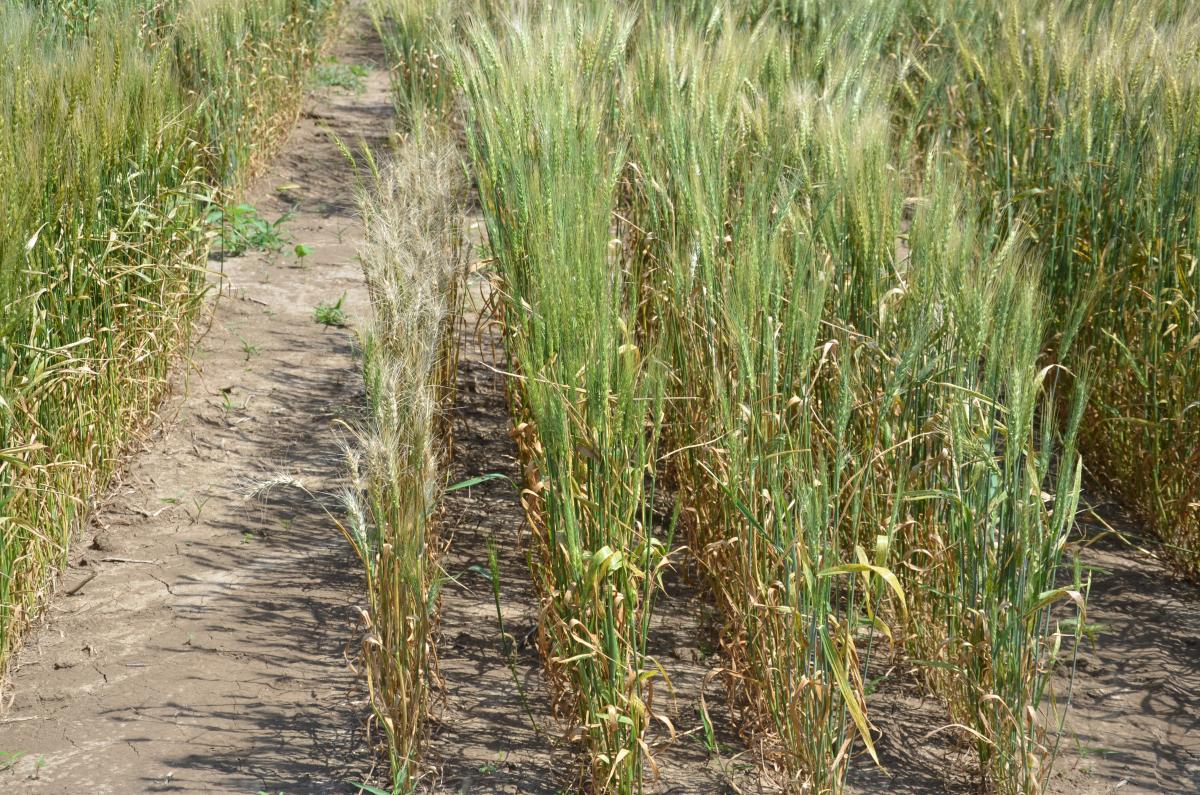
{"x":331,"y":314}
{"x":230,"y":404}
{"x":332,"y":74}
{"x":199,"y":504}
{"x":242,"y":229}
{"x":248,"y":348}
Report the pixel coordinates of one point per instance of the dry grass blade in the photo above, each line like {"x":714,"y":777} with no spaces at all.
{"x":414,"y":261}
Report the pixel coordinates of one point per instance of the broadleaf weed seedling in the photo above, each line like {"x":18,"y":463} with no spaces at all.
{"x":331,"y":314}
{"x":333,"y":74}
{"x":242,"y":228}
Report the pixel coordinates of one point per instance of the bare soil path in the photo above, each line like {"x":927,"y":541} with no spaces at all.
{"x":199,"y":643}
{"x":1134,"y":722}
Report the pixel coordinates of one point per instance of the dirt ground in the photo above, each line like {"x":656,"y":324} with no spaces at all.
{"x":1134,"y":722}
{"x":202,"y":641}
